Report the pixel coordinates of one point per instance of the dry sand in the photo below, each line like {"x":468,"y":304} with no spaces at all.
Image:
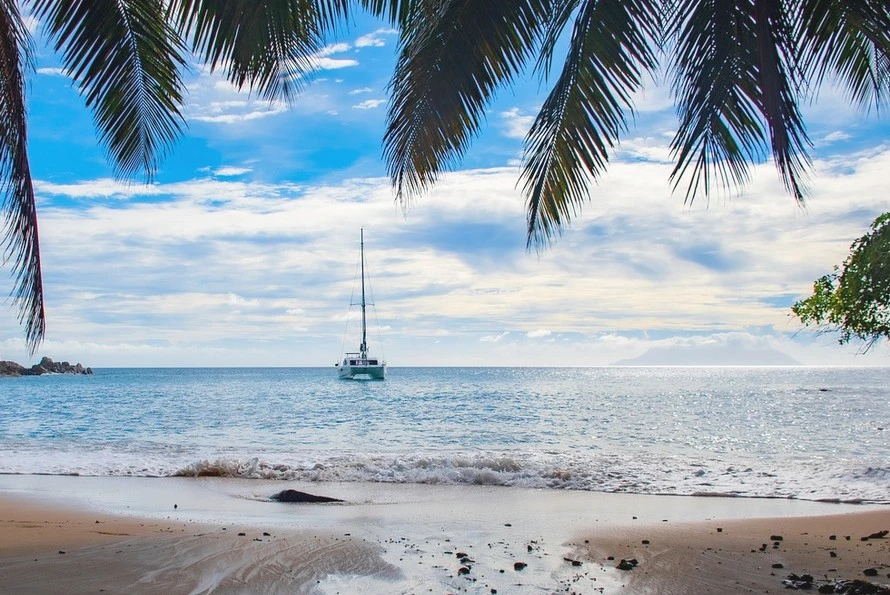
{"x":438,"y":539}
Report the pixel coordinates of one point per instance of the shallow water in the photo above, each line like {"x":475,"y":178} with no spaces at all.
{"x":809,"y":433}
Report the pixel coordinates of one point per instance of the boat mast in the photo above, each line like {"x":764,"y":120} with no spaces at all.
{"x":364,"y":346}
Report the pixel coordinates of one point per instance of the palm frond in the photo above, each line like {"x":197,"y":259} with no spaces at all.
{"x":735,"y":83}
{"x":263,"y":45}
{"x":585,"y":112}
{"x":125,"y":58}
{"x":849,"y":39}
{"x":20,"y":238}
{"x":453,"y":55}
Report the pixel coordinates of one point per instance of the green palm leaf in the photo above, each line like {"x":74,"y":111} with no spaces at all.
{"x":736,"y":90}
{"x":265,"y":45}
{"x":585,"y":112}
{"x":850,"y":39}
{"x":19,"y":205}
{"x":454,"y":54}
{"x":125,"y":58}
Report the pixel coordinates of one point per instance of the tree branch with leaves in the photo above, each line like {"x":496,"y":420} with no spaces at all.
{"x":855,"y":300}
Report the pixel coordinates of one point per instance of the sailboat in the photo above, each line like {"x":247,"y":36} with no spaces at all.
{"x":360,"y":364}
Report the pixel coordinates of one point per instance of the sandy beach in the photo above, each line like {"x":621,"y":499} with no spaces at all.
{"x":150,"y":535}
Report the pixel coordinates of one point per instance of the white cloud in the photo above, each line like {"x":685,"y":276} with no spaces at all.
{"x":375,"y":39}
{"x":494,"y":338}
{"x":837,"y":135}
{"x":369,"y":104}
{"x":227,"y":265}
{"x":516,"y":123}
{"x":231,"y":171}
{"x":51,"y":71}
{"x":360,"y":91}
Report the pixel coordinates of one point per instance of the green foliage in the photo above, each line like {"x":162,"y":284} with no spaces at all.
{"x":855,"y":300}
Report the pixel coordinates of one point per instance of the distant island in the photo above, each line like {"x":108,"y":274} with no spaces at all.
{"x":46,"y":366}
{"x":710,"y":355}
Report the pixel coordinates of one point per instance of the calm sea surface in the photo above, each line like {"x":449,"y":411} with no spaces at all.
{"x":808,"y":433}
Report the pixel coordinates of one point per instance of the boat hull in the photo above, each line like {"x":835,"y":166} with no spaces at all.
{"x":360,"y":372}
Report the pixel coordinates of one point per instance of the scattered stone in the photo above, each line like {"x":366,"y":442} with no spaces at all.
{"x":573,"y":562}
{"x":463,"y":570}
{"x":878,"y":535}
{"x":775,"y":538}
{"x":242,"y":534}
{"x":627,"y":564}
{"x":645,"y":542}
{"x":719,"y":529}
{"x":832,"y":554}
{"x":301,"y":497}
{"x":870,"y":572}
{"x":832,"y":537}
{"x":778,"y":565}
{"x":519,"y":565}
{"x":802,"y":582}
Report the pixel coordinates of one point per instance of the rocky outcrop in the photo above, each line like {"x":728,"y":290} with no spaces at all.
{"x":46,"y":366}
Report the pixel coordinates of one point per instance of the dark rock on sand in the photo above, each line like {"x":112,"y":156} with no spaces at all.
{"x":878,"y":535}
{"x":301,"y":497}
{"x":46,"y":366}
{"x":627,"y":564}
{"x":519,"y":565}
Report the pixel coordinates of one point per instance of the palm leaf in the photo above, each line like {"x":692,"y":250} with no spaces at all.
{"x":453,"y":55}
{"x":19,"y":205}
{"x":849,"y":39}
{"x":125,"y":58}
{"x":735,"y":86}
{"x":585,"y":112}
{"x":264,"y":45}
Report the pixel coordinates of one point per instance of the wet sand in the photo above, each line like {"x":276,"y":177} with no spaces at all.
{"x":127,"y":535}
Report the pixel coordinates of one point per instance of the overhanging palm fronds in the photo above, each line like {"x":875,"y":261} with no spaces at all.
{"x":454,"y":54}
{"x":19,"y":207}
{"x":849,"y":39}
{"x":125,"y":58}
{"x":736,"y":94}
{"x":582,"y":118}
{"x":264,"y":45}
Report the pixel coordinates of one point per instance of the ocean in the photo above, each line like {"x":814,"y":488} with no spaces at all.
{"x":810,"y":433}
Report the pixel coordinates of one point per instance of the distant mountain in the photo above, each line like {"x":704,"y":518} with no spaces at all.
{"x":710,"y":355}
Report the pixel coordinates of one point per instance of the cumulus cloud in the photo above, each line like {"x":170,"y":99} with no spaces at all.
{"x":516,"y":123}
{"x":369,"y":104}
{"x":375,"y":39}
{"x":538,"y":334}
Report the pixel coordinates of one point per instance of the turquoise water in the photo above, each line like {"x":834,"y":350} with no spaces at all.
{"x":811,"y":433}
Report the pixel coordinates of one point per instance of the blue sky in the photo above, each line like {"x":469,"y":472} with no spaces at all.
{"x":244,"y":250}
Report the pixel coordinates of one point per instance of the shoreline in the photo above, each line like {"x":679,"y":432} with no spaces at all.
{"x":197,"y":535}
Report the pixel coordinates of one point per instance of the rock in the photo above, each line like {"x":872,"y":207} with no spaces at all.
{"x":519,"y":565}
{"x":775,"y":538}
{"x":627,"y":564}
{"x":301,"y":497}
{"x":878,"y":535}
{"x":46,"y":366}
{"x":870,"y":572}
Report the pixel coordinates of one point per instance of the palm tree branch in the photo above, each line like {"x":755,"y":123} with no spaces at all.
{"x":453,"y":55}
{"x":19,"y":206}
{"x":734,"y":97}
{"x":264,"y":45}
{"x":849,"y":39}
{"x":584,"y":114}
{"x":125,"y":58}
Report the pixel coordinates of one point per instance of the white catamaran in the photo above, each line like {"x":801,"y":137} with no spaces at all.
{"x":359,"y":364}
